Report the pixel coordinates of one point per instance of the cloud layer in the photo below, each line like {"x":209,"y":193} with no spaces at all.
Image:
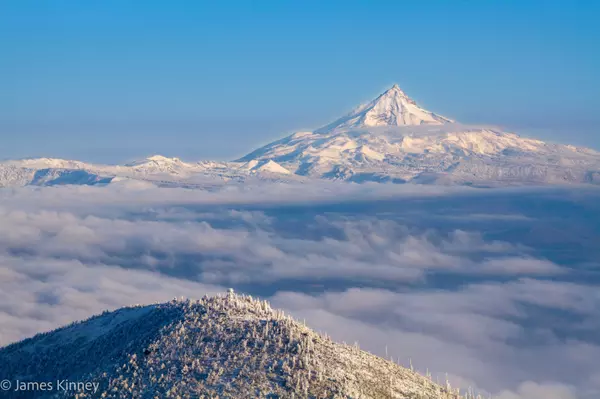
{"x":497,"y":288}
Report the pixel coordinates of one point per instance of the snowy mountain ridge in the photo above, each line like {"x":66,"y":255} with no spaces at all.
{"x":392,"y":108}
{"x":156,"y":169}
{"x":390,"y":139}
{"x":228,"y":346}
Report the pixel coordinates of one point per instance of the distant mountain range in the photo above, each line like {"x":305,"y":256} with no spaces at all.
{"x":228,"y":346}
{"x":390,"y":139}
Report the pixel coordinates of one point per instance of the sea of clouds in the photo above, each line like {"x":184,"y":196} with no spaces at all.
{"x":498,"y":288}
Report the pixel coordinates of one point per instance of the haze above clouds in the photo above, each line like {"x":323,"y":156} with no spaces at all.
{"x":499,"y":288}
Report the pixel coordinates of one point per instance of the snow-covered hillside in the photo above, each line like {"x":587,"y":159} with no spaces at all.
{"x":390,"y":139}
{"x":229,"y":346}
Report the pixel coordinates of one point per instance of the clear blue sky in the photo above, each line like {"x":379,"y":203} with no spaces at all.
{"x":115,"y":80}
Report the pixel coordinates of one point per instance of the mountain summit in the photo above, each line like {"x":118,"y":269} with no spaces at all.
{"x":229,"y":346}
{"x":392,"y":139}
{"x":392,"y":108}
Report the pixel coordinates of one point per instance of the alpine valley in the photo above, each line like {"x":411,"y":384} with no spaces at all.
{"x":390,"y":139}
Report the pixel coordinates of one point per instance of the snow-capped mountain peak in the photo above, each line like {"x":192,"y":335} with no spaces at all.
{"x":390,"y":139}
{"x":392,"y":108}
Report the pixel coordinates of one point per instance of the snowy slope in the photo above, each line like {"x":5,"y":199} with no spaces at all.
{"x":453,"y":152}
{"x":266,"y":166}
{"x":232,"y":346}
{"x":392,"y":108}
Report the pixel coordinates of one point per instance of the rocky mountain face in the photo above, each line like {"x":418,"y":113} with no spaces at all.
{"x":229,"y":346}
{"x":390,"y":139}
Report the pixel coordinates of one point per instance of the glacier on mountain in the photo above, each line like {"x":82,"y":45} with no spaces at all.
{"x":390,"y":139}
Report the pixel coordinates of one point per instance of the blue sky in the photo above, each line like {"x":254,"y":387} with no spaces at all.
{"x":115,"y":80}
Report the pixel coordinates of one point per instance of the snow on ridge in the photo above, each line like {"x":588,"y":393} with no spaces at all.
{"x":45,"y":163}
{"x":229,"y":345}
{"x":392,"y":108}
{"x":157,"y":159}
{"x":267,"y":165}
{"x":449,"y":153}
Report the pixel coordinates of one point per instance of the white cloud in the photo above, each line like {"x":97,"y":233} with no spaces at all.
{"x":532,"y":390}
{"x":41,"y":294}
{"x":474,"y":292}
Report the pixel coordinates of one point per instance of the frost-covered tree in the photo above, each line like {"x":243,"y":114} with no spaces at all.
{"x":228,"y":346}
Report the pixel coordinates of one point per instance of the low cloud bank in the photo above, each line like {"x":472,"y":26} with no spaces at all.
{"x":499,"y":287}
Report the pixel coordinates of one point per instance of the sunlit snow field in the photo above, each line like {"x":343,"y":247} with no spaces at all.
{"x":498,"y":288}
